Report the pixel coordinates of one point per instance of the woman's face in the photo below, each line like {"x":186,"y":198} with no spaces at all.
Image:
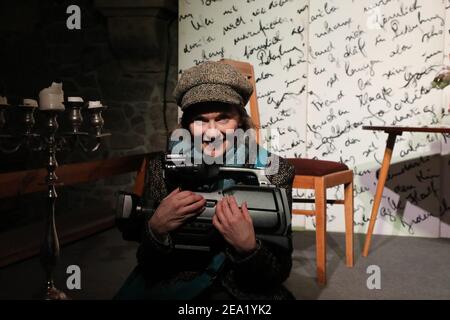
{"x":213,"y":127}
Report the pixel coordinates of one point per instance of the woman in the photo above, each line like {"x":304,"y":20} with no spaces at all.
{"x":212,"y":97}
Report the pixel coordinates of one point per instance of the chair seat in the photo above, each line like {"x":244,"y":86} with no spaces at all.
{"x":317,"y":168}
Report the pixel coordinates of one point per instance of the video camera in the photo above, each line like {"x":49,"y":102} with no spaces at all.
{"x":267,"y":205}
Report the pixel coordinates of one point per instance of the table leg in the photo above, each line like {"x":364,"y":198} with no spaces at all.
{"x":380,"y":187}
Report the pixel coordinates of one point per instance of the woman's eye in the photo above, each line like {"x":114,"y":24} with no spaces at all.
{"x":223,"y":121}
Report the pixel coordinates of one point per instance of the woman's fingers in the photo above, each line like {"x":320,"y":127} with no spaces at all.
{"x":226,"y":207}
{"x":174,"y":192}
{"x":220,"y":213}
{"x":177,"y":194}
{"x":188,"y":200}
{"x":233,"y":205}
{"x":245,"y":212}
{"x":194,"y":207}
{"x":184,"y":194}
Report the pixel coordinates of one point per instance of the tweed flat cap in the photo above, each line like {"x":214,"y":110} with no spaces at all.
{"x":212,"y":82}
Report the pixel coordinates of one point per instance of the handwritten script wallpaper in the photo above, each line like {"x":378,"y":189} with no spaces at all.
{"x":326,"y":68}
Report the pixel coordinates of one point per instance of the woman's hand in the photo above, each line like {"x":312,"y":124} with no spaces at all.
{"x":235,"y":225}
{"x":174,"y":210}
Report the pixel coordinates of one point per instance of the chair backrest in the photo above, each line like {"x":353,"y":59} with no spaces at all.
{"x":247,"y":70}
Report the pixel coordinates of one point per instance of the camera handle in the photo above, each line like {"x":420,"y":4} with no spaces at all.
{"x":263,"y":181}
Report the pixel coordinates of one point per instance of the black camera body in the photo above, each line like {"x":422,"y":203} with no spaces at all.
{"x":268,"y":205}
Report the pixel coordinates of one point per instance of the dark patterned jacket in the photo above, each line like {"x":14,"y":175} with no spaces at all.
{"x":258,"y":276}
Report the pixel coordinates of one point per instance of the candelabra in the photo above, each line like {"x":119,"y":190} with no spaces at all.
{"x":50,"y":141}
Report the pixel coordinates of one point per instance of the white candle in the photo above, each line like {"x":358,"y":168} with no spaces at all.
{"x":3,"y":100}
{"x":52,"y":98}
{"x":75,"y":99}
{"x":94,"y":104}
{"x":30,"y":103}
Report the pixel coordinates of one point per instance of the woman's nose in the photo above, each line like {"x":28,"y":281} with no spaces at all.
{"x":212,"y":132}
{"x":211,"y":124}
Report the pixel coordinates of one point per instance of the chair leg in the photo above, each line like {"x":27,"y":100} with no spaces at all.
{"x":321,"y":217}
{"x":348,"y":205}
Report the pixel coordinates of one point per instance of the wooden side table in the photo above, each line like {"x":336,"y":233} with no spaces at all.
{"x":393,"y":132}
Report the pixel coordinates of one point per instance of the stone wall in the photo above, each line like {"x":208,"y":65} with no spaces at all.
{"x":37,"y":48}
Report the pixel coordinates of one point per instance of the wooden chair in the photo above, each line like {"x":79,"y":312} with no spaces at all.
{"x":318,"y":175}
